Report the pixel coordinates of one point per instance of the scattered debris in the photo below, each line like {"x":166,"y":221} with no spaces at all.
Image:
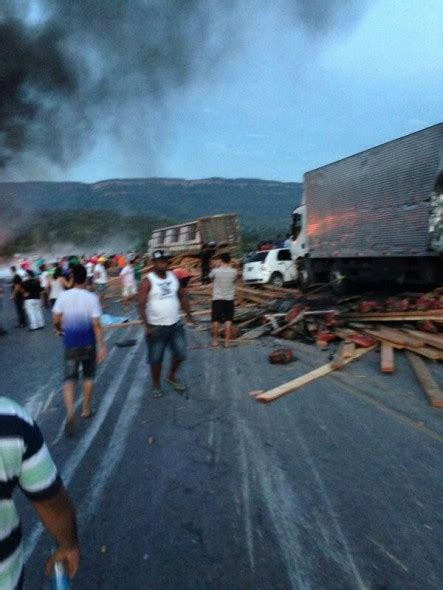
{"x":412,"y":322}
{"x":283,"y":356}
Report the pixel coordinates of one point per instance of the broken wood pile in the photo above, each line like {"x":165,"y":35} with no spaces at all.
{"x":359,"y":326}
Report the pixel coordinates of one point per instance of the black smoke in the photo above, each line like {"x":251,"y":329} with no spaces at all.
{"x":68,"y":66}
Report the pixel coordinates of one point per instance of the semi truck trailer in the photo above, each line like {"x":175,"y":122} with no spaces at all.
{"x":374,"y":216}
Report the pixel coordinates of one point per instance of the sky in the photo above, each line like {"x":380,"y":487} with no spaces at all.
{"x":282,"y":99}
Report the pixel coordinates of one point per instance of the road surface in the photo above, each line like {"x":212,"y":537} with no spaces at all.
{"x":337,"y":486}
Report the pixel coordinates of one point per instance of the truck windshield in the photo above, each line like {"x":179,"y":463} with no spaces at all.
{"x":258,"y":257}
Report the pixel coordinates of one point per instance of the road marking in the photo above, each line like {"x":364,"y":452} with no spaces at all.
{"x":282,"y":505}
{"x":323,"y":492}
{"x":116,"y":446}
{"x":388,"y":554}
{"x":246,"y":501}
{"x":80,"y":451}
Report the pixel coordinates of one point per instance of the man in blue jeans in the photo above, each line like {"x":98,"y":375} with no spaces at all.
{"x":160,"y":301}
{"x":76,"y":315}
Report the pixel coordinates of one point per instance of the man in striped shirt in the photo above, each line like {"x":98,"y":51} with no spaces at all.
{"x":26,"y":462}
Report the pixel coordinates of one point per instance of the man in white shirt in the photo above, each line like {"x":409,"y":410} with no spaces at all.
{"x":129,"y":283}
{"x":90,"y":273}
{"x":76,"y":314}
{"x":160,"y":301}
{"x":101,"y":280}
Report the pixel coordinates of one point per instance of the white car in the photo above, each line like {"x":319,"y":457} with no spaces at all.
{"x":270,"y":266}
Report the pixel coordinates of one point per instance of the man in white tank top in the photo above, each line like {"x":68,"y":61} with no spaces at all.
{"x":160,"y":301}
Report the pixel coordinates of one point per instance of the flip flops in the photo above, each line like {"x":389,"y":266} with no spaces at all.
{"x":177,"y":385}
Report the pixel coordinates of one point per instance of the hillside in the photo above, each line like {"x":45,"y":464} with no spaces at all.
{"x":263,"y":206}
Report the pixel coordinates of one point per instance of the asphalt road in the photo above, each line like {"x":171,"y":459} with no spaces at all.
{"x":337,"y":486}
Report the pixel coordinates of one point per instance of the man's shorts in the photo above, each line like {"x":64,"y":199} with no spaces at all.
{"x":129,"y":291}
{"x":100,"y":288}
{"x":172,"y":337}
{"x":80,"y":356}
{"x":222,"y":310}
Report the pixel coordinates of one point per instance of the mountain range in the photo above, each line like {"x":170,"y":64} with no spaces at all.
{"x":262,"y":205}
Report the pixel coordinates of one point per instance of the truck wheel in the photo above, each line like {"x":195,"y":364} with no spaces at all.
{"x":339,"y":282}
{"x":276,"y":280}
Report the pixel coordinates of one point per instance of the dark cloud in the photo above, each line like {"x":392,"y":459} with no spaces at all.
{"x":67,"y":66}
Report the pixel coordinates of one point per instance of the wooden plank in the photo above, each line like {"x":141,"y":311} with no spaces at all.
{"x":254,"y":333}
{"x":349,"y":350}
{"x":431,"y":389}
{"x":400,"y":337}
{"x":393,"y":316}
{"x":297,"y":319}
{"x":395,"y":337}
{"x":277,"y":392}
{"x":428,"y":352}
{"x":345,"y":350}
{"x":387,"y":364}
{"x":435,"y":340}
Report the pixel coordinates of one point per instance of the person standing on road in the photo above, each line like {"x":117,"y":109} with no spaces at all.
{"x":44,"y":283}
{"x":18,"y":297}
{"x":90,"y":272}
{"x":138,"y":268}
{"x":57,"y":284}
{"x":77,"y":314}
{"x":33,"y":304}
{"x":129,"y":284}
{"x":25,"y":460}
{"x":101,"y":280}
{"x":205,"y":257}
{"x":3,"y":332}
{"x":160,"y":301}
{"x":223,"y":295}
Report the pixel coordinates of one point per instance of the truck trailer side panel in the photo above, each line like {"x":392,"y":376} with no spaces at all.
{"x":376,"y":203}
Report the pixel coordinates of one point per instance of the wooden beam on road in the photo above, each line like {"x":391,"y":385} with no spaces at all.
{"x":435,"y":340}
{"x":431,"y":389}
{"x":273,"y":394}
{"x":387,"y":363}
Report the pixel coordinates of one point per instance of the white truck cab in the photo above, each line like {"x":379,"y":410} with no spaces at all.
{"x":299,"y":247}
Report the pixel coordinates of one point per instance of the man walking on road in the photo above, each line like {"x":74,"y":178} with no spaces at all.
{"x":223,"y":295}
{"x":101,"y":279}
{"x":76,"y":314}
{"x":160,"y":301}
{"x":25,"y":460}
{"x":33,"y":301}
{"x":18,"y":297}
{"x":129,"y":284}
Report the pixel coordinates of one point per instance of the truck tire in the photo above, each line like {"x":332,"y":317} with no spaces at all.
{"x":276,"y":279}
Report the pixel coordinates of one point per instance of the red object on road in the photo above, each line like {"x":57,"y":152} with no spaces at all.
{"x":283,"y":356}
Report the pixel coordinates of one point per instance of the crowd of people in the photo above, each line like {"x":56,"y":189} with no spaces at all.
{"x":37,"y":284}
{"x":73,"y":289}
